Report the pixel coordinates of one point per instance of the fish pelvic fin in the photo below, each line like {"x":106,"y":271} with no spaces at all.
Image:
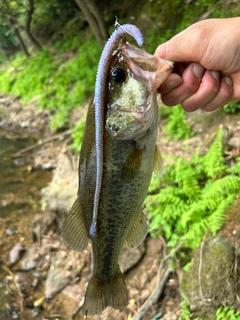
{"x":101,"y":295}
{"x":158,"y":162}
{"x":138,"y":231}
{"x":74,"y":232}
{"x":133,"y":163}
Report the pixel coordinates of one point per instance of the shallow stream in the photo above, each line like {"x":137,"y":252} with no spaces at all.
{"x":20,"y":186}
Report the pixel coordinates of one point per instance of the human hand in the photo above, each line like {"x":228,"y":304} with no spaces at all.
{"x":207,"y":65}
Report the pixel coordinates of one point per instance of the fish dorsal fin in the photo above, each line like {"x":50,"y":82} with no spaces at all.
{"x":138,"y":231}
{"x":133,"y":163}
{"x":158,"y":162}
{"x":74,"y":232}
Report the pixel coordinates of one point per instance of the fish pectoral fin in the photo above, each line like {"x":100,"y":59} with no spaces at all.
{"x":133,"y":163}
{"x":100,"y":295}
{"x":158,"y":162}
{"x":138,"y":231}
{"x":74,"y":232}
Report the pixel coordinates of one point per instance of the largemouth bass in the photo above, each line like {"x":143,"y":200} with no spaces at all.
{"x":117,"y":158}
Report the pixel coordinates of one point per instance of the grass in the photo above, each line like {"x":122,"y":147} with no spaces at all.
{"x":59,"y":85}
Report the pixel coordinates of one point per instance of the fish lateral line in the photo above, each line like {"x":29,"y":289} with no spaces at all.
{"x":99,"y":99}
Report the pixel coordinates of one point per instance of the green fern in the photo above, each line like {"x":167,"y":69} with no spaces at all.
{"x":194,"y":197}
{"x":214,"y":159}
{"x":177,"y":127}
{"x":185,"y":311}
{"x":227,"y":313}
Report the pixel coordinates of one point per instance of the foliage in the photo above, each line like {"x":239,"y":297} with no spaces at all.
{"x":232,"y":107}
{"x":177,"y":127}
{"x":222,"y":313}
{"x":77,"y":135}
{"x":193,"y":196}
{"x":60,"y":86}
{"x":185,"y":312}
{"x":227,"y":313}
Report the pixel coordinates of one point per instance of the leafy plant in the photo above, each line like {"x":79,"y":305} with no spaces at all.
{"x":177,"y":127}
{"x":59,"y":85}
{"x":77,"y":135}
{"x":193,"y":196}
{"x":222,"y":313}
{"x":232,"y":107}
{"x":227,"y":313}
{"x":185,"y":312}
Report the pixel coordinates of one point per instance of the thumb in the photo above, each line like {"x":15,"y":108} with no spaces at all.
{"x":188,"y":45}
{"x":181,"y":48}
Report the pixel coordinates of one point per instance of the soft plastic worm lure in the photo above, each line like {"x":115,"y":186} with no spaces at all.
{"x":100,"y":99}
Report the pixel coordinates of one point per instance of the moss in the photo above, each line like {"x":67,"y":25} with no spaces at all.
{"x":210,"y":280}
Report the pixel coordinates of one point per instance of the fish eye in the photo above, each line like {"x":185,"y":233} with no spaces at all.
{"x":118,"y":75}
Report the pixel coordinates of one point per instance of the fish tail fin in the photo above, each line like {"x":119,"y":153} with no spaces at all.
{"x":99,"y":296}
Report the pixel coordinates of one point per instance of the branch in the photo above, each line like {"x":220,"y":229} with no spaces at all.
{"x":39,"y":144}
{"x":161,"y":281}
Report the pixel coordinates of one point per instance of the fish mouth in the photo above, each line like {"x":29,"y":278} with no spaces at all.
{"x":145,"y":66}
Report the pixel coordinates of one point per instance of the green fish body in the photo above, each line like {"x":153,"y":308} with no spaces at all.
{"x":129,"y":157}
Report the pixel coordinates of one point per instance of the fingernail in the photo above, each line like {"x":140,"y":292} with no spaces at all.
{"x":198,"y":70}
{"x":228,"y":80}
{"x":215,"y":74}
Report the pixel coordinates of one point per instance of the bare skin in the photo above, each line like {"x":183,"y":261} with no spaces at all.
{"x":207,"y":65}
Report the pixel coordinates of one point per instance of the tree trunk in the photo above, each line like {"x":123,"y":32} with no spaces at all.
{"x":20,"y":39}
{"x":99,"y":19}
{"x":93,"y":17}
{"x":28,"y":25}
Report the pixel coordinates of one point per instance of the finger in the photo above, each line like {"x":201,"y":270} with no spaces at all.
{"x":207,"y":90}
{"x":173,"y":81}
{"x":223,"y":97}
{"x":191,"y":79}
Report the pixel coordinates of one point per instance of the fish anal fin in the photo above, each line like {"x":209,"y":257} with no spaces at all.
{"x":133,"y":163}
{"x":158,"y":162}
{"x":74,"y":232}
{"x":101,"y":295}
{"x":138,"y":231}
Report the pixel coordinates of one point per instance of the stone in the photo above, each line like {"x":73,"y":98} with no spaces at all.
{"x":234,"y":142}
{"x":129,"y":258}
{"x":16,"y":253}
{"x":61,"y":192}
{"x":58,"y":275}
{"x":210,"y":280}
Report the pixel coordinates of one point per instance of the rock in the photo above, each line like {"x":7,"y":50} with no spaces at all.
{"x":29,"y":260}
{"x":234,"y":142}
{"x":16,"y":253}
{"x":210,"y":280}
{"x":9,"y":231}
{"x":58,"y":275}
{"x":61,"y":193}
{"x":42,"y":224}
{"x":130,"y":257}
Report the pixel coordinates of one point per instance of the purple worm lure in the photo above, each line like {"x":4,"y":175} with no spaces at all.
{"x":99,"y":99}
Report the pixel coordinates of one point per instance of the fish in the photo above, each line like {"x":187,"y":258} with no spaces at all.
{"x":117,"y":158}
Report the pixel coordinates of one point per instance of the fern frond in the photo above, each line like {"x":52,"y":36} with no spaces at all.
{"x":222,"y":187}
{"x":217,"y":218}
{"x":195,"y":233}
{"x":214,"y":158}
{"x":235,"y":169}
